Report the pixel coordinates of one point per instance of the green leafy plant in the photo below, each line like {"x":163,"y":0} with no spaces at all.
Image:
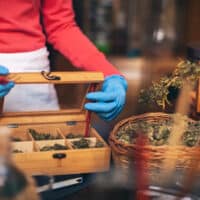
{"x":160,"y":92}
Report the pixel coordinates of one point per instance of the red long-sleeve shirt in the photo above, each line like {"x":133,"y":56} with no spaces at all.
{"x":21,"y":31}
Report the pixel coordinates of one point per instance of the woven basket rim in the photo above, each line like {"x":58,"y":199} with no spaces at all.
{"x":112,"y":138}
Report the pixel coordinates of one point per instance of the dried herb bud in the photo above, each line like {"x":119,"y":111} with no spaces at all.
{"x":72,"y":136}
{"x":15,"y":139}
{"x":17,"y":151}
{"x":59,"y":147}
{"x":55,"y":147}
{"x":159,"y":131}
{"x":43,"y":136}
{"x":191,"y":137}
{"x":81,"y":144}
{"x":47,"y":148}
{"x":190,"y":142}
{"x":99,"y":144}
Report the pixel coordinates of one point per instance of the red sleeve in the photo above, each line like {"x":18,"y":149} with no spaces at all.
{"x":64,"y":34}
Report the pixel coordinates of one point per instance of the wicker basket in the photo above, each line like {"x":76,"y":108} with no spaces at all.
{"x":124,"y":155}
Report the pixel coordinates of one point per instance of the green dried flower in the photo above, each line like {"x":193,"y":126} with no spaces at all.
{"x":15,"y":139}
{"x":158,"y":132}
{"x":167,"y":88}
{"x":55,"y":147}
{"x":99,"y":144}
{"x":17,"y":151}
{"x":43,"y":136}
{"x":81,"y":144}
{"x":73,"y":136}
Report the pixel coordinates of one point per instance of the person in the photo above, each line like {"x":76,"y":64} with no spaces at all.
{"x":25,"y":27}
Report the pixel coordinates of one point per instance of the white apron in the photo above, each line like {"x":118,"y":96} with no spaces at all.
{"x":32,"y":97}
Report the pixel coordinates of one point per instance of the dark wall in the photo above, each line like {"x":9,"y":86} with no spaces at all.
{"x":193,"y":21}
{"x":78,"y":8}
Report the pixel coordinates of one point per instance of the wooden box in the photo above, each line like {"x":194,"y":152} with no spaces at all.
{"x":60,"y":123}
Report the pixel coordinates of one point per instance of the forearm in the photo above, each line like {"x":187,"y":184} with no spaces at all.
{"x":66,"y":37}
{"x":81,"y":52}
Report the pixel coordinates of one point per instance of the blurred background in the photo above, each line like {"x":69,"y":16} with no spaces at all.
{"x":143,"y":39}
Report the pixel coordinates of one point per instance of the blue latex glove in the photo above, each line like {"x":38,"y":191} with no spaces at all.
{"x":109,"y":102}
{"x":5,"y":88}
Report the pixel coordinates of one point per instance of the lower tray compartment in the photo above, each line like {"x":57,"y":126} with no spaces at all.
{"x":56,"y":162}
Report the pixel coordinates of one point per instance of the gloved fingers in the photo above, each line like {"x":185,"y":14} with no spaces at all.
{"x":101,"y":96}
{"x":4,"y":89}
{"x":7,"y":86}
{"x":3,"y":70}
{"x":100,"y":107}
{"x":110,"y":101}
{"x":4,"y":93}
{"x":120,"y":101}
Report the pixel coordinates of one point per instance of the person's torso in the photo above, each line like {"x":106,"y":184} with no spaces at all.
{"x":20,"y":28}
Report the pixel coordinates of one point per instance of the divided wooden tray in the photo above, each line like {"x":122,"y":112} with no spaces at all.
{"x":63,"y":122}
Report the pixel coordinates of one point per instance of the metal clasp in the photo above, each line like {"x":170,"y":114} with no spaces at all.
{"x":48,"y":76}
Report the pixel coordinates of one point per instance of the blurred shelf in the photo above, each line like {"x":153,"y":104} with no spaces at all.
{"x":155,"y":65}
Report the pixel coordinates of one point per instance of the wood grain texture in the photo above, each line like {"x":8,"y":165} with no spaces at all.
{"x":77,"y":160}
{"x":49,"y":116}
{"x":40,"y":119}
{"x":65,"y":78}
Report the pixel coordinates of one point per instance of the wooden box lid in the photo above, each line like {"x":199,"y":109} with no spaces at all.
{"x":35,"y":117}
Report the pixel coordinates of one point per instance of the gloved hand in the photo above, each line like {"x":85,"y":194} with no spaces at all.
{"x":109,"y":102}
{"x":5,"y":87}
